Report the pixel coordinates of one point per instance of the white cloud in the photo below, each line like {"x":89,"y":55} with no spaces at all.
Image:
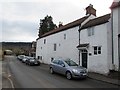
{"x":31,"y":11}
{"x":19,"y":31}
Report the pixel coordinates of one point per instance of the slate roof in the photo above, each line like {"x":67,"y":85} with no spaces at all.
{"x":65,"y":27}
{"x":96,"y":21}
{"x":92,"y":22}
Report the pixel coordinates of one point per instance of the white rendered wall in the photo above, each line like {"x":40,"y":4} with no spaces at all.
{"x":66,"y":48}
{"x":109,"y":45}
{"x":97,"y":63}
{"x":116,"y":31}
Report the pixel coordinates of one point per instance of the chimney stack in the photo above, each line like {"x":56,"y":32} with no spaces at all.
{"x":60,"y":24}
{"x":90,"y":10}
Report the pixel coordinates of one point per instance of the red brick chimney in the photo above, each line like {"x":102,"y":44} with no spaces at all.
{"x":90,"y":10}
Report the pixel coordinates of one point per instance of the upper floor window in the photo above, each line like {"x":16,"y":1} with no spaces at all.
{"x":90,"y":31}
{"x":64,"y":36}
{"x":97,"y":50}
{"x":44,"y":41}
{"x":55,"y":47}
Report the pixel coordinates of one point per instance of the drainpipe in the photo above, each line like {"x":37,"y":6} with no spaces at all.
{"x":79,"y":43}
{"x":119,"y":51}
{"x":112,"y":38}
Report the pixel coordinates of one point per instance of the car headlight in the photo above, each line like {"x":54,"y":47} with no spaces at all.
{"x":75,"y":71}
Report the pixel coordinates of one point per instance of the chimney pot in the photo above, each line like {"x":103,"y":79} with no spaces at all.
{"x":60,"y":24}
{"x":90,"y":10}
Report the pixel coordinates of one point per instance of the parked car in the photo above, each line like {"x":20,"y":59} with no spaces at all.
{"x":68,"y":68}
{"x":20,"y":57}
{"x":32,"y":61}
{"x":24,"y":59}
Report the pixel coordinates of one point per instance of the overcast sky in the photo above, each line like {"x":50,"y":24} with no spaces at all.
{"x":19,"y":20}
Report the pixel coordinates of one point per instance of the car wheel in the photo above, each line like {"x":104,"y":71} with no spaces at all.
{"x":39,"y":64}
{"x":51,"y":70}
{"x":30,"y":64}
{"x":68,"y":75}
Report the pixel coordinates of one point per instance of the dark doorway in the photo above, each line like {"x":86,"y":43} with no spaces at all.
{"x":84,"y":58}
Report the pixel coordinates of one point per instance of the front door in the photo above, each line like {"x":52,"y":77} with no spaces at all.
{"x":84,"y":58}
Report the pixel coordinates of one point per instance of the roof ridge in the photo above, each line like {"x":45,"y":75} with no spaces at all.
{"x":66,"y":26}
{"x":96,"y":21}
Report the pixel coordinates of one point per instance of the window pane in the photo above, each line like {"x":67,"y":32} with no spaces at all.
{"x":55,"y":61}
{"x":38,"y":57}
{"x":60,"y":63}
{"x":92,"y":31}
{"x":44,"y":41}
{"x":99,"y":52}
{"x":64,"y":36}
{"x":55,"y":46}
{"x":95,"y":52}
{"x":89,"y":32}
{"x":95,"y":48}
{"x":99,"y":48}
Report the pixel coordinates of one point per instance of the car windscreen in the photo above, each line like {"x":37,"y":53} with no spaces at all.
{"x":71,"y":63}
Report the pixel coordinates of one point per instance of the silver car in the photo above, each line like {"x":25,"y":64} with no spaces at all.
{"x":24,"y":59}
{"x":68,"y":68}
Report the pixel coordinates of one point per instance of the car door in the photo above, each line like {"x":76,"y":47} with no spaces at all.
{"x":55,"y":65}
{"x":61,"y":67}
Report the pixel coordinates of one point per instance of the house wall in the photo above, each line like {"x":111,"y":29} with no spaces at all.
{"x":97,"y":63}
{"x":119,"y":37}
{"x":1,"y":51}
{"x":116,"y":31}
{"x":109,"y":45}
{"x":66,"y":48}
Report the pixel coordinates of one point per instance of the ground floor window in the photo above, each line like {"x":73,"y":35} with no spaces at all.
{"x":39,"y":57}
{"x":97,"y":50}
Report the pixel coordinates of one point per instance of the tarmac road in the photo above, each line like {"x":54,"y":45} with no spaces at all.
{"x":24,"y":76}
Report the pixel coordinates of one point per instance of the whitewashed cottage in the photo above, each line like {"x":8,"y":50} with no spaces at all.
{"x":115,"y":13}
{"x":87,"y":41}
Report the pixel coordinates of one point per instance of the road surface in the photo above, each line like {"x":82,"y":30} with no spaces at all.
{"x":24,"y":76}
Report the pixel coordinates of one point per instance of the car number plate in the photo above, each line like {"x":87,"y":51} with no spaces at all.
{"x":84,"y":74}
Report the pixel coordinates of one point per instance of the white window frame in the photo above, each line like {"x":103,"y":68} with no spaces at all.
{"x":98,"y":50}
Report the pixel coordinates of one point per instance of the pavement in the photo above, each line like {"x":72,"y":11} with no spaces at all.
{"x":6,"y":80}
{"x":0,"y":74}
{"x":113,"y":77}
